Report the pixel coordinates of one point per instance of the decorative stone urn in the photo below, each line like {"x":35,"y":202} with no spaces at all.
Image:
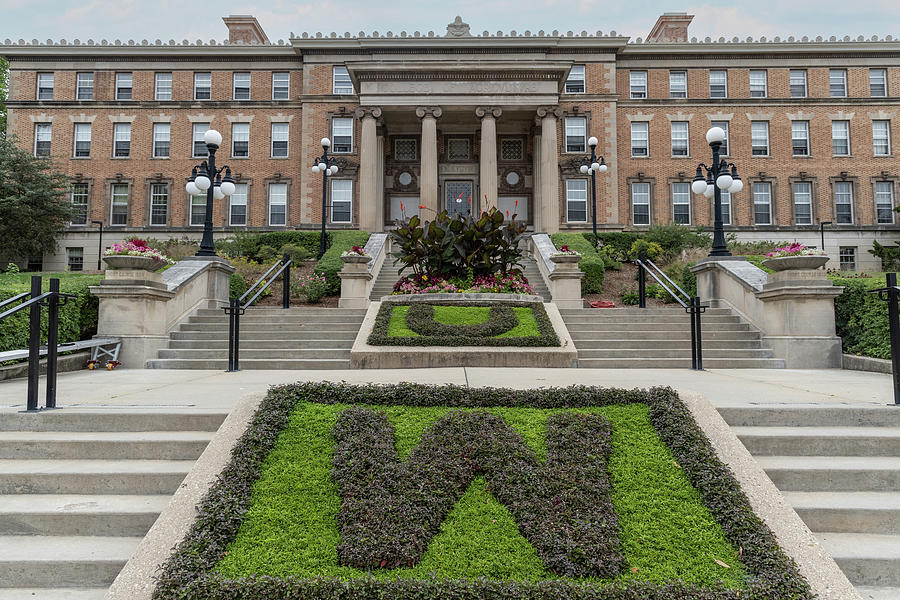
{"x":794,"y":263}
{"x":121,"y":262}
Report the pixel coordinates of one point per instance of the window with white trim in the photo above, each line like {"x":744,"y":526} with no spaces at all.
{"x":240,"y":140}
{"x":198,"y":210}
{"x":843,"y":202}
{"x":341,"y":200}
{"x":84,"y":86}
{"x":723,"y":125}
{"x":342,"y":135}
{"x":342,"y":85}
{"x":576,"y":200}
{"x":878,"y":83}
{"x":82,"y":140}
{"x":847,"y":258}
{"x":681,"y":203}
{"x":840,"y":137}
{"x":759,"y":83}
{"x":725,"y":201}
{"x":575,"y":81}
{"x":162,"y":86}
{"x":837,"y":83}
{"x":800,"y":138}
{"x":278,"y":204}
{"x":159,"y":203}
{"x":80,"y":203}
{"x":677,"y":84}
{"x":199,"y":144}
{"x":802,"y":203}
{"x":161,"y":140}
{"x":43,"y":135}
{"x":576,"y":134}
{"x":881,"y":137}
{"x":638,"y":83}
{"x":640,"y":203}
{"x":759,"y":138}
{"x":680,"y":144}
{"x":884,"y":202}
{"x":281,"y":85}
{"x":407,"y":149}
{"x":122,"y":140}
{"x":202,"y":86}
{"x":798,"y":83}
{"x":237,"y":205}
{"x":118,"y":206}
{"x":718,"y":84}
{"x":124,"y":86}
{"x":762,"y":203}
{"x":640,"y":138}
{"x":241,"y":85}
{"x":280,"y":134}
{"x":75,"y":259}
{"x":45,"y":86}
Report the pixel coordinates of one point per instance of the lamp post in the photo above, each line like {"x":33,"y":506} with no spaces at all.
{"x":591,"y":165}
{"x":326,"y":166}
{"x":717,"y":179}
{"x":99,"y":244}
{"x":206,"y":179}
{"x":822,"y":225}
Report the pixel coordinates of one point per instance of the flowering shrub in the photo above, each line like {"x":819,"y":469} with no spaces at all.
{"x":137,"y":247}
{"x":795,"y":249}
{"x":313,"y":287}
{"x":564,"y":250}
{"x":499,"y":283}
{"x":355,"y":251}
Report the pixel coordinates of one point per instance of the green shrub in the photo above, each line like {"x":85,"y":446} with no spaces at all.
{"x":331,"y":264}
{"x":267,"y":254}
{"x":689,"y":279}
{"x":298,"y":254}
{"x":611,"y":258}
{"x":248,"y":244}
{"x":591,"y":263}
{"x":890,"y":256}
{"x":861,"y":319}
{"x":237,"y":285}
{"x":640,"y":246}
{"x":675,"y":238}
{"x":620,"y":241}
{"x":311,"y":287}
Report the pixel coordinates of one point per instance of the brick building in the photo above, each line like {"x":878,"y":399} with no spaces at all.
{"x":491,"y":119}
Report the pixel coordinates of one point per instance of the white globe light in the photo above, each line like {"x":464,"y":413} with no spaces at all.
{"x":202,"y":182}
{"x":715,"y":134}
{"x":227,"y":188}
{"x":218,"y":194}
{"x":326,"y":142}
{"x":592,"y":141}
{"x":724,"y":181}
{"x":213,"y":137}
{"x":710,"y":191}
{"x":584,"y":168}
{"x":699,"y":186}
{"x":315,"y":169}
{"x":595,"y":166}
{"x":192,"y":189}
{"x":736,"y":186}
{"x":322,"y":166}
{"x":334,"y":169}
{"x":602,"y":168}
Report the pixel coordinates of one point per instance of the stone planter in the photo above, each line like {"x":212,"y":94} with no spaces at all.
{"x":565,"y":258}
{"x":356,"y":259}
{"x":122,"y":262}
{"x":793,"y":263}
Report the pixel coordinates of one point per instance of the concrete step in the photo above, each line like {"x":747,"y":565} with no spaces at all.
{"x":869,"y":592}
{"x":626,"y":352}
{"x":680,"y":363}
{"x":143,"y":477}
{"x":279,"y":320}
{"x":634,"y":311}
{"x":810,"y":416}
{"x":833,"y":473}
{"x":651,"y":334}
{"x":253,"y":344}
{"x":652,"y":325}
{"x":55,"y":593}
{"x":76,"y":514}
{"x":268,"y":327}
{"x":865,"y":558}
{"x":820,"y":441}
{"x":683,"y":343}
{"x":62,"y":561}
{"x":293,"y":311}
{"x":249,"y":364}
{"x":595,"y":319}
{"x":105,"y":419}
{"x":274,"y":335}
{"x":848,"y":512}
{"x":84,"y":445}
{"x":284,"y":353}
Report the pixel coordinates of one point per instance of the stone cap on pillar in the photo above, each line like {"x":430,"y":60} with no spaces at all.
{"x":488,"y":111}
{"x":429,"y":111}
{"x":368,"y":111}
{"x":549,"y":111}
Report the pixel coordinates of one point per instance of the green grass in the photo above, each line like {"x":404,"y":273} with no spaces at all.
{"x":461,"y":315}
{"x":397,"y":326}
{"x":291,"y":528}
{"x":465,"y":315}
{"x":24,"y":279}
{"x":527,"y":326}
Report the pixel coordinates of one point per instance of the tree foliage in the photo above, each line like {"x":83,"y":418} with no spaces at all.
{"x":4,"y":88}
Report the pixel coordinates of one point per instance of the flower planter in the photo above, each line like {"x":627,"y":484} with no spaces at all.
{"x":355,"y":259}
{"x":565,"y":258}
{"x":119,"y":262}
{"x":793,"y":263}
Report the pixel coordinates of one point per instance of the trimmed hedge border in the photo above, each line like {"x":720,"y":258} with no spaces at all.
{"x":420,"y":318}
{"x":189,"y":572}
{"x":563,"y":507}
{"x":380,"y":337}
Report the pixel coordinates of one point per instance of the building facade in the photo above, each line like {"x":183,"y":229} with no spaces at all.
{"x":420,"y":122}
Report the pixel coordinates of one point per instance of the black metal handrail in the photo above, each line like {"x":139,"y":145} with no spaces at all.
{"x":891,"y":294}
{"x":52,"y":299}
{"x":236,"y":306}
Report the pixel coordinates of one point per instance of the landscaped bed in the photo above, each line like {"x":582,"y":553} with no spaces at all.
{"x":410,"y":491}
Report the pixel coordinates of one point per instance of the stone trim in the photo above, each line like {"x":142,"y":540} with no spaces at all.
{"x":429,"y":111}
{"x":841,"y":116}
{"x":549,"y":111}
{"x":800,"y":116}
{"x":161,"y":118}
{"x":201,"y":118}
{"x":41,"y":118}
{"x":680,"y":116}
{"x":122,"y":118}
{"x":240,"y":118}
{"x":368,"y":111}
{"x":760,"y":116}
{"x":484,"y":111}
{"x":280,"y":118}
{"x":639,"y":117}
{"x":881,"y":115}
{"x":82,"y":118}
{"x":719,"y":116}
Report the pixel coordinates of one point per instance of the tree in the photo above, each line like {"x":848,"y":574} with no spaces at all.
{"x":4,"y":86}
{"x":34,"y":207}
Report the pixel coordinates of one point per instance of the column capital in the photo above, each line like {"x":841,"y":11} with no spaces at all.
{"x":429,"y":111}
{"x":549,"y":111}
{"x":488,"y":111}
{"x":368,"y":111}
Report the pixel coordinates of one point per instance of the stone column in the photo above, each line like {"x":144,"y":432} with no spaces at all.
{"x":368,"y":169}
{"x":537,"y":219}
{"x":379,"y":193}
{"x":488,"y":158}
{"x":549,"y":168}
{"x":428,"y":181}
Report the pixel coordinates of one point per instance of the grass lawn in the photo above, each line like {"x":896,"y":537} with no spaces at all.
{"x":24,"y":279}
{"x":464,"y":315}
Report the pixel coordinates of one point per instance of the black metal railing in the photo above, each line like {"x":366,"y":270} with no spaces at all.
{"x":691,"y":304}
{"x":237,"y":306}
{"x":891,"y":295}
{"x":33,"y":300}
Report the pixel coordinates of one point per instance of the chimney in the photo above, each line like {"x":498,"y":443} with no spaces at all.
{"x":669,"y":28}
{"x":244,"y":29}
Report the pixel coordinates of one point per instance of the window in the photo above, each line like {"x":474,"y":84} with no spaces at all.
{"x":884,"y":202}
{"x":122,"y":140}
{"x":242,"y":86}
{"x":199,"y":146}
{"x":341,"y":201}
{"x":575,"y":82}
{"x":202,"y":86}
{"x":680,"y":138}
{"x":877,"y":83}
{"x":342,"y":135}
{"x":198,"y":210}
{"x":406,"y":149}
{"x":341,"y":83}
{"x":881,"y":136}
{"x":640,"y":203}
{"x":759,"y":137}
{"x":281,"y":86}
{"x":725,"y":200}
{"x":45,"y":86}
{"x":840,"y":137}
{"x":677,"y":84}
{"x":762,"y":203}
{"x":159,"y":203}
{"x":82,"y":140}
{"x":280,"y":132}
{"x":80,"y":203}
{"x":278,"y":203}
{"x":800,"y":138}
{"x":847,"y":258}
{"x":161,"y":135}
{"x":803,"y":203}
{"x":512,"y":149}
{"x":640,"y":138}
{"x":638,"y":84}
{"x":84,"y":86}
{"x":240,"y":140}
{"x":75,"y":259}
{"x":759,"y":85}
{"x":123,"y":86}
{"x":163,"y":86}
{"x":237,"y":211}
{"x":837,"y":80}
{"x":576,"y":200}
{"x":681,"y":203}
{"x":458,"y":148}
{"x":718,"y":84}
{"x":43,"y":133}
{"x":723,"y":125}
{"x":798,"y":83}
{"x":118,"y":212}
{"x":576,"y":134}
{"x":843,"y":202}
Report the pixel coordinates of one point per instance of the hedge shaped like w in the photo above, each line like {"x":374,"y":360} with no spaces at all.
{"x":390,"y":509}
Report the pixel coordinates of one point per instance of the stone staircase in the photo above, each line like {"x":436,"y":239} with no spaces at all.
{"x":80,"y":488}
{"x":839,"y":467}
{"x":270,"y":338}
{"x":660,"y":338}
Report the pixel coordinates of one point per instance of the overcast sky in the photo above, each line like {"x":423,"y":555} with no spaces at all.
{"x":200,"y":19}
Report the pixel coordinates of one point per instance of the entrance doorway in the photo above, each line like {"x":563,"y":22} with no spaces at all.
{"x":458,"y":196}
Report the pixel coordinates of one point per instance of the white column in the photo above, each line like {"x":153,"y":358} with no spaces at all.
{"x":368,"y":169}
{"x":537,"y":221}
{"x":428,"y":180}
{"x":549,"y":168}
{"x":488,"y":158}
{"x":379,"y":181}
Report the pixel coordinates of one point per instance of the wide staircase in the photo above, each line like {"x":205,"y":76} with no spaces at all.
{"x":839,"y":467}
{"x":80,"y":488}
{"x":270,"y":338}
{"x":660,"y":338}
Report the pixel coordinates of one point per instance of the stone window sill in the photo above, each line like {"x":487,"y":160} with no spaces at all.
{"x":160,"y":157}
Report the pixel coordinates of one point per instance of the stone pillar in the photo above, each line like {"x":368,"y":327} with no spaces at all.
{"x":368,"y":169}
{"x":428,"y":181}
{"x":379,"y":179}
{"x":549,"y":199}
{"x":537,"y":221}
{"x":488,"y":157}
{"x":355,"y":278}
{"x":565,"y":282}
